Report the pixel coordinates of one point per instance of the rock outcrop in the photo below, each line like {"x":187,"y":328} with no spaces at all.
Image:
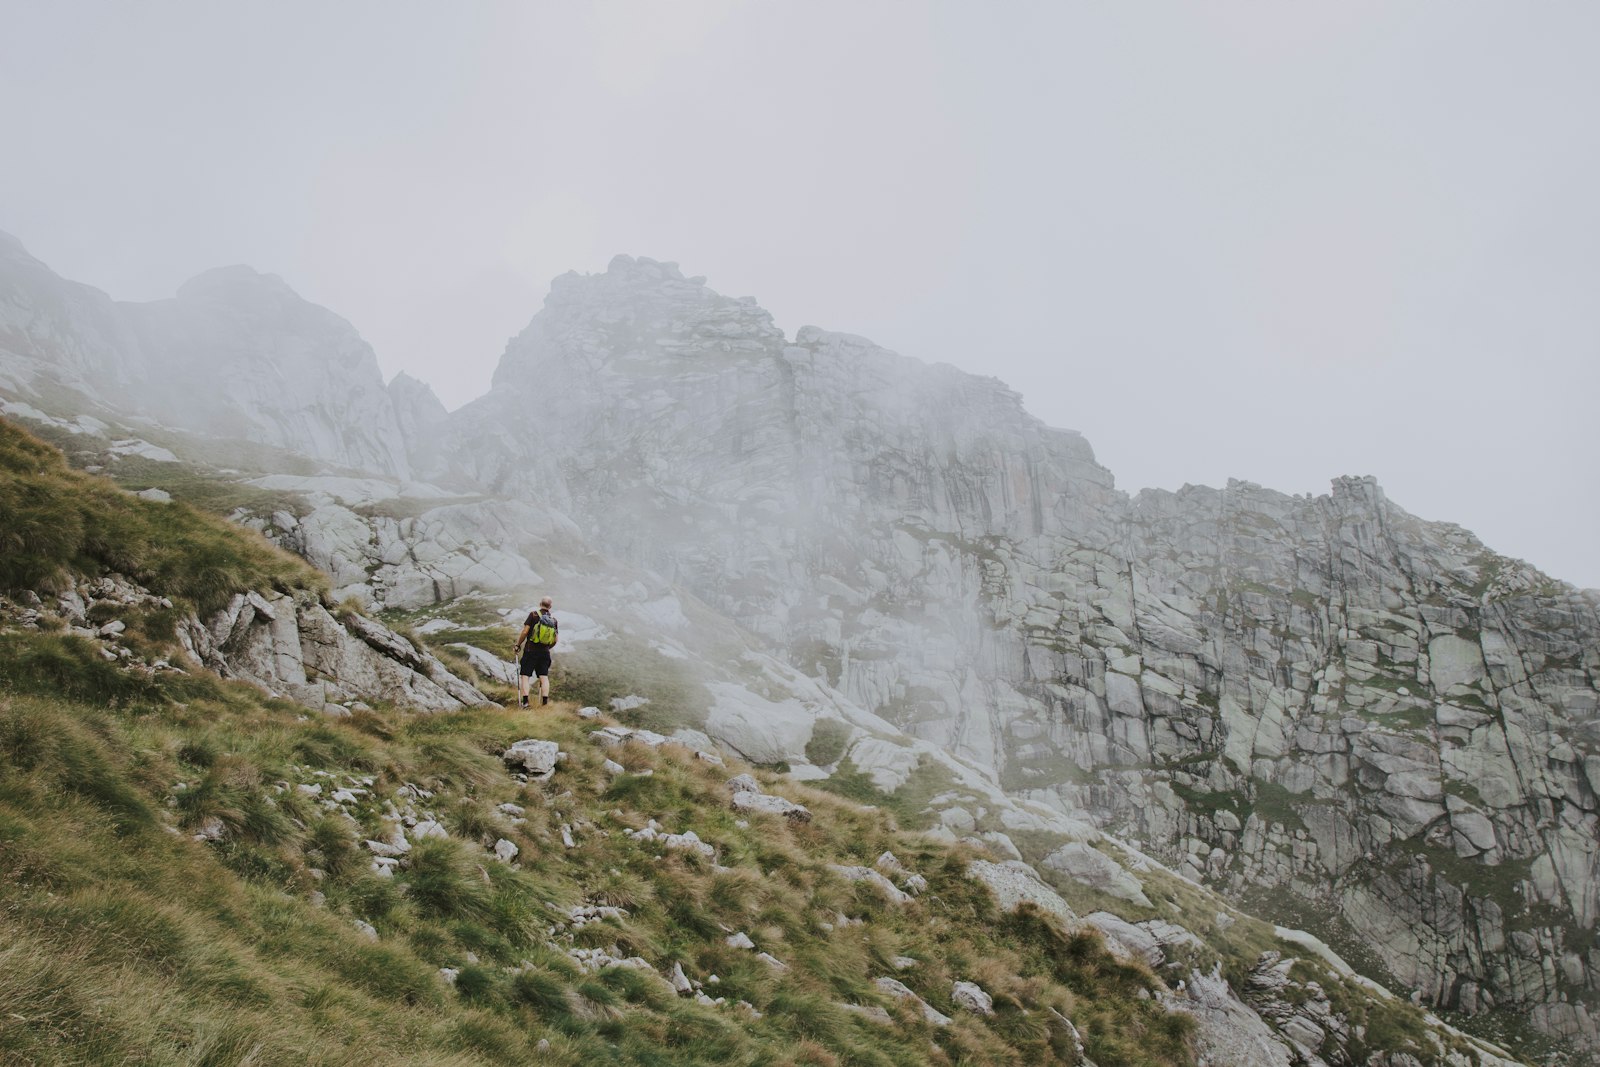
{"x":293,"y":646}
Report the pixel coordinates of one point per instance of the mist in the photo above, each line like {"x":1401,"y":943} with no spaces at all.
{"x":1273,"y":244}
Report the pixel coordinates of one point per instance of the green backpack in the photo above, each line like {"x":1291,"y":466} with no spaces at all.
{"x":544,"y":630}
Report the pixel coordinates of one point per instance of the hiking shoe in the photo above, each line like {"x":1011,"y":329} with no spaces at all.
{"x":524,"y":701}
{"x":544,"y":700}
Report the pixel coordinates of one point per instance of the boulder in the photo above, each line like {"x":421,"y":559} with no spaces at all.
{"x":535,"y":757}
{"x":1126,"y":940}
{"x":971,"y":996}
{"x":760,"y":803}
{"x":1085,"y":864}
{"x":1014,"y":883}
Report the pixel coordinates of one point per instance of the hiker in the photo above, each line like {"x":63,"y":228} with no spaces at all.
{"x":534,"y":643}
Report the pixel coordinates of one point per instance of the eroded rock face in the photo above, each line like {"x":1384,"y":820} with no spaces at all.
{"x":1319,"y":694}
{"x":293,"y":646}
{"x":413,"y":561}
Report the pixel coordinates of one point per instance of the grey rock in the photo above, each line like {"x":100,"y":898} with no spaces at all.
{"x":898,"y":990}
{"x":1015,"y":883}
{"x":1125,"y":939}
{"x":1083,"y":863}
{"x":971,"y":996}
{"x":748,"y":803}
{"x":872,"y":877}
{"x":534,"y":756}
{"x":743,"y":783}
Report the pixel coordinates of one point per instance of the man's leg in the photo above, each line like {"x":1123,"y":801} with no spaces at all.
{"x":544,"y":688}
{"x":522,"y":687}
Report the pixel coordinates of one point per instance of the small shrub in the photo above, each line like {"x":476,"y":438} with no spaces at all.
{"x":540,"y":990}
{"x":444,"y":880}
{"x":477,"y":984}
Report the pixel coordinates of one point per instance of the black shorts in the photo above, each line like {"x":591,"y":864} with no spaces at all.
{"x":535,"y":661}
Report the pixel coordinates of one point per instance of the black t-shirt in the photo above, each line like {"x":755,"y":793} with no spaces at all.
{"x":533,"y":619}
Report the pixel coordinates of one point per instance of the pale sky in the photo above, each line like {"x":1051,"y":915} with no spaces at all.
{"x":1279,"y":242}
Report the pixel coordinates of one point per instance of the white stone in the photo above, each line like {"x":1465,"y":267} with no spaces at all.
{"x":536,"y":757}
{"x":971,"y":996}
{"x":428,"y":828}
{"x":1454,"y":661}
{"x":760,"y":803}
{"x":867,"y":874}
{"x":1014,"y":883}
{"x":1126,"y":940}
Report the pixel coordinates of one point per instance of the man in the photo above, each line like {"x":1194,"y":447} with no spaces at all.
{"x":538,"y":637}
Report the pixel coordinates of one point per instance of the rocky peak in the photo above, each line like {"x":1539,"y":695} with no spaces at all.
{"x":420,"y":416}
{"x":59,"y":330}
{"x":11,"y":246}
{"x":237,"y":283}
{"x":1278,"y":693}
{"x":637,"y":310}
{"x":416,"y":399}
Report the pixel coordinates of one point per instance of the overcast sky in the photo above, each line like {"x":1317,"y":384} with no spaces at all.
{"x":1279,"y":242}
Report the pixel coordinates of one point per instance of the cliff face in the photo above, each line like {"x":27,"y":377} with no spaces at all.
{"x":1323,"y":703}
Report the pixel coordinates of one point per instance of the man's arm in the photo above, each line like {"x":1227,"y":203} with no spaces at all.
{"x":521,"y":637}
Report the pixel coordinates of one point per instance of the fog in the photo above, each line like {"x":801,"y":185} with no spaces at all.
{"x":1279,"y":243}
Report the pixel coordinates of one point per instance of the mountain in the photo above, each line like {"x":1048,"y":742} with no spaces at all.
{"x":1324,"y":704}
{"x":886,"y":574}
{"x":235,"y":354}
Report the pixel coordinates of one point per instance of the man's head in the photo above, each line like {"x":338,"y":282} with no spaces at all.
{"x":545,"y":604}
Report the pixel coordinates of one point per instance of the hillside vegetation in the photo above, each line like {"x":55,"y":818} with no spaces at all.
{"x":125,"y":940}
{"x":193,"y":872}
{"x":57,"y":523}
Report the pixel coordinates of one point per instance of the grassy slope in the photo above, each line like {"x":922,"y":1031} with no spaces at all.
{"x":56,"y":522}
{"x":127,"y":943}
{"x":124,"y":941}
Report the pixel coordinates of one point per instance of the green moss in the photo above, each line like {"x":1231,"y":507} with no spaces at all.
{"x":1209,"y":803}
{"x":1276,"y":804}
{"x":1500,"y":882}
{"x":827,"y":742}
